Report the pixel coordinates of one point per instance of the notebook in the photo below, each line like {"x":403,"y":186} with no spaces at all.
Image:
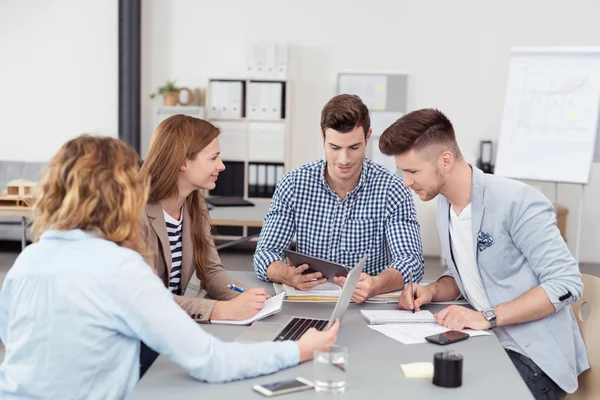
{"x":381,"y":317}
{"x":272,"y":306}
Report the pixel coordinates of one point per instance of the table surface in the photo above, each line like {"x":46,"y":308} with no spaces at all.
{"x":15,"y":211}
{"x":373,"y":363}
{"x":219,"y":215}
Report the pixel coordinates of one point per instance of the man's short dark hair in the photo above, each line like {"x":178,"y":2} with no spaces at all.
{"x":345,"y":112}
{"x":418,"y":130}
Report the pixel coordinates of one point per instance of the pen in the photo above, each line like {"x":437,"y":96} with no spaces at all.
{"x":237,"y":289}
{"x":412,"y":290}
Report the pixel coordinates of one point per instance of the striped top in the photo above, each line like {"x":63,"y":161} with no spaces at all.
{"x":174,"y":232}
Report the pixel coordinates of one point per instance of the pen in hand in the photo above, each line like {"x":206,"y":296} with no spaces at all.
{"x":237,"y":289}
{"x":412,"y":290}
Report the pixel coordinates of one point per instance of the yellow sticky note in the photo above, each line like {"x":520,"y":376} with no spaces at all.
{"x":417,"y":370}
{"x":380,"y":88}
{"x":379,"y":105}
{"x":572,"y":116}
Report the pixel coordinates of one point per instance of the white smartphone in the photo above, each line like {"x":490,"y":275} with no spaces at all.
{"x":283,"y":387}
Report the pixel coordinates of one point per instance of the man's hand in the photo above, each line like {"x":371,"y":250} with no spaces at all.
{"x":293,"y":277}
{"x":457,"y":318}
{"x":365,"y":288}
{"x":423,"y":295}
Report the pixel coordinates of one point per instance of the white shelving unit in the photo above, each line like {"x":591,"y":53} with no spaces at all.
{"x":250,"y":138}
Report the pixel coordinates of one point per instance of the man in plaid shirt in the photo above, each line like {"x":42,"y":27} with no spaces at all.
{"x":341,"y":208}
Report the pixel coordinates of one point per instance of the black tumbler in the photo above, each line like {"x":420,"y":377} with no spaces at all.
{"x":447,"y":369}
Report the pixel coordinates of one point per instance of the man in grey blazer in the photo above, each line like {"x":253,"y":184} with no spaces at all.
{"x":505,"y":255}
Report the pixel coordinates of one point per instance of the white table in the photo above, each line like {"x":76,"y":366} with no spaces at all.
{"x":374,"y":360}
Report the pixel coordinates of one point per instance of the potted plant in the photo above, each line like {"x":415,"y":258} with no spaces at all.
{"x":170,"y":93}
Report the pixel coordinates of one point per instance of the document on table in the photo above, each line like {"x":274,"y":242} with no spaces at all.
{"x":416,"y":333}
{"x":325,"y":293}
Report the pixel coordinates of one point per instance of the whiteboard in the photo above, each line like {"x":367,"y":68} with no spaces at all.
{"x":550,"y":117}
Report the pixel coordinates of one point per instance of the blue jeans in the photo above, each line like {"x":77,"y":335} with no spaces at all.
{"x":541,"y":386}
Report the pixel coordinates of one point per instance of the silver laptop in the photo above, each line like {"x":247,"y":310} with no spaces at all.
{"x":294,"y":327}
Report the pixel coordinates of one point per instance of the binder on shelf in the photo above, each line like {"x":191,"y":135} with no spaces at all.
{"x":226,"y":99}
{"x":279,"y":172}
{"x":274,"y":101}
{"x":262,"y":180}
{"x":254,"y":101}
{"x":270,"y":180}
{"x":252,"y":180}
{"x":234,"y":102}
{"x":265,"y":101}
{"x":281,"y":61}
{"x":256,"y":56}
{"x":267,"y":60}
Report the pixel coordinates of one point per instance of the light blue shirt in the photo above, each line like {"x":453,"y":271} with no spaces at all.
{"x":73,"y":309}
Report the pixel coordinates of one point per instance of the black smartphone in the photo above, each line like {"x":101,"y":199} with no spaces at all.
{"x":447,"y":337}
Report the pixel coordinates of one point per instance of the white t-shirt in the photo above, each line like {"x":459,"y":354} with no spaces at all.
{"x":463,"y":251}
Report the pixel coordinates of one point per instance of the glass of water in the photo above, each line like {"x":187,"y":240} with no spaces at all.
{"x":330,"y":366}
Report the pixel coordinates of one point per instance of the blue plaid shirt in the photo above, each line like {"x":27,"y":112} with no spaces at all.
{"x":377,"y":218}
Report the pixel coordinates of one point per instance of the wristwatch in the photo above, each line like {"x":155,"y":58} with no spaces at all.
{"x":490,"y":315}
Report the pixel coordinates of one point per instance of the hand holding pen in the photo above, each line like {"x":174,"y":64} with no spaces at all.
{"x":414,"y":295}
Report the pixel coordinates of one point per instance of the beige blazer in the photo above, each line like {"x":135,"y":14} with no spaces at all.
{"x":217,"y":278}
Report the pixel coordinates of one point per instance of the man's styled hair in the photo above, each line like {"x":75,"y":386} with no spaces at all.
{"x":418,"y":130}
{"x":345,"y":112}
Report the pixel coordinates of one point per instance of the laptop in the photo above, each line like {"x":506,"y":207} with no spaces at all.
{"x":294,"y":327}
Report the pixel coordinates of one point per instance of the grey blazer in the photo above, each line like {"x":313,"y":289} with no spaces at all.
{"x":518,"y":247}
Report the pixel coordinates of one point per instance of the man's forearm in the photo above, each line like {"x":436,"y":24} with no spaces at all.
{"x":388,"y":281}
{"x":277,"y":272}
{"x":445,"y":289}
{"x":531,"y":306}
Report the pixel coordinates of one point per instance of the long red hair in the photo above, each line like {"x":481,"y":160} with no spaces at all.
{"x":176,"y":139}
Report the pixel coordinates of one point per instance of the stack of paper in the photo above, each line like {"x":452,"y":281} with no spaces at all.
{"x":325,"y":293}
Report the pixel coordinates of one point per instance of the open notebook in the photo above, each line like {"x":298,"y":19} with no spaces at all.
{"x":381,"y":317}
{"x":272,"y":306}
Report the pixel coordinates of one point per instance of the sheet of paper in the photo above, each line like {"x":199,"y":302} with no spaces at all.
{"x":417,"y":370}
{"x":398,"y":316}
{"x":416,"y":333}
{"x":272,"y":305}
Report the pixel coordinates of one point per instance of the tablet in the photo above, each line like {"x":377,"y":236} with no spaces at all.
{"x":327,"y":268}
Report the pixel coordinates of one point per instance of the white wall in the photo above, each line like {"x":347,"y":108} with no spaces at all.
{"x":58,"y":74}
{"x":456,"y":53}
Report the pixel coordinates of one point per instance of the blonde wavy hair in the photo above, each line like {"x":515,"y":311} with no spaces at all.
{"x":93,"y":184}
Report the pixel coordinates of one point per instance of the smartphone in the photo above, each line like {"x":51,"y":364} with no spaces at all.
{"x":447,"y":337}
{"x":283,"y":387}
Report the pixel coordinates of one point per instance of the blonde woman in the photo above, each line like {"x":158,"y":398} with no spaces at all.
{"x":77,"y":302}
{"x":184,"y":157}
